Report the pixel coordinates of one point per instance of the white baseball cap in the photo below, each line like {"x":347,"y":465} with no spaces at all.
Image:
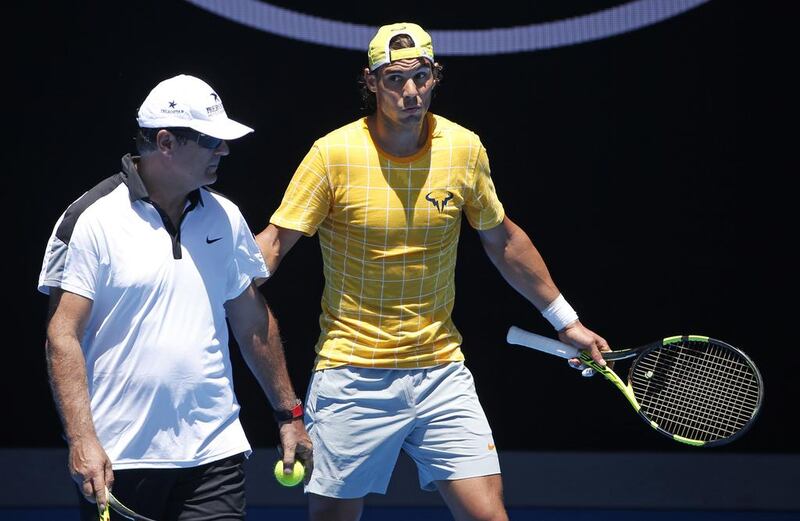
{"x":186,"y":101}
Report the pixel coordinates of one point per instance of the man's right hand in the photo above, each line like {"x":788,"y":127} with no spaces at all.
{"x":295,"y":443}
{"x":91,"y":470}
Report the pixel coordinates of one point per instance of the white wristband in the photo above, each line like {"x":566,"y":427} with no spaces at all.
{"x":559,"y":313}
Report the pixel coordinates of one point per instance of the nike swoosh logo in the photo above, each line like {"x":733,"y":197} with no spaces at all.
{"x":211,"y":241}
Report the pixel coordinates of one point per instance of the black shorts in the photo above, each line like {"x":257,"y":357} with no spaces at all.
{"x":213,"y":491}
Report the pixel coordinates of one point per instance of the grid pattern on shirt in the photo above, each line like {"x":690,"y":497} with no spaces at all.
{"x":388,"y":231}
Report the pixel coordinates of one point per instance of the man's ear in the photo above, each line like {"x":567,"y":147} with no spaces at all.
{"x":371,"y":80}
{"x":436,"y":69}
{"x":165,"y":140}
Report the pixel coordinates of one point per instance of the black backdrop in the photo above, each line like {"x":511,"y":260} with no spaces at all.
{"x":630,"y":161}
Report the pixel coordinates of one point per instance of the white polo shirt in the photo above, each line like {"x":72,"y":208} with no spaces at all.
{"x":156,"y":342}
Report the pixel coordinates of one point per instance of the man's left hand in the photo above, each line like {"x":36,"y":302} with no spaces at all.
{"x":583,"y":338}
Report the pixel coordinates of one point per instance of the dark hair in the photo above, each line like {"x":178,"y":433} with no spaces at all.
{"x":400,"y":41}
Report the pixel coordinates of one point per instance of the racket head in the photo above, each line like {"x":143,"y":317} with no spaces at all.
{"x":696,"y":390}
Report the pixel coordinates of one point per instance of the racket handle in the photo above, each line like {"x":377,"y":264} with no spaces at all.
{"x":540,"y":343}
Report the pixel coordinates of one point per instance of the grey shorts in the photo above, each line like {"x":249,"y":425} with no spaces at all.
{"x":359,"y":419}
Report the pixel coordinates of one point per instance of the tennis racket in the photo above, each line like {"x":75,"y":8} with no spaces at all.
{"x":119,"y":508}
{"x":692,"y":389}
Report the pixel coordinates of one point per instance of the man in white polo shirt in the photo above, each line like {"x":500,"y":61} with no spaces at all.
{"x":142,"y":272}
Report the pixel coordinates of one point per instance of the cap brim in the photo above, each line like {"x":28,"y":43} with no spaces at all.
{"x":221,"y":128}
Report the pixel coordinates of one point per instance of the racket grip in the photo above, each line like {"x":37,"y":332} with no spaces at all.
{"x":540,"y":343}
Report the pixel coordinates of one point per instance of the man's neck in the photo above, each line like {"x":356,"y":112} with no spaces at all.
{"x":173,"y":205}
{"x":170,"y":201}
{"x":398,"y":140}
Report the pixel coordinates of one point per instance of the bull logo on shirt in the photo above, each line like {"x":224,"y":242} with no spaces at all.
{"x":439,"y":198}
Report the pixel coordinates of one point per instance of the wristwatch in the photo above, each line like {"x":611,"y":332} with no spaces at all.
{"x":283,"y":415}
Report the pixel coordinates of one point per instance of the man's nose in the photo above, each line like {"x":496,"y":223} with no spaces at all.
{"x":222,"y":149}
{"x":410,"y":89}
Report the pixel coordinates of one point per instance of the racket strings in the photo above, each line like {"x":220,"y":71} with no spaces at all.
{"x":716,"y":393}
{"x":692,"y":423}
{"x":696,"y":390}
{"x":704,"y":395}
{"x":705,"y":415}
{"x":713,"y":396}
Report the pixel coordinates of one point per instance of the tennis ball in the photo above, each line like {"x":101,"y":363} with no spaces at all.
{"x":289,"y":480}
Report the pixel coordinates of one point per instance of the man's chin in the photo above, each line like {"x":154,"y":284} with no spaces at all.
{"x":412,"y":117}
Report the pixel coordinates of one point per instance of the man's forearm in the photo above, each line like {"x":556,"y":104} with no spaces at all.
{"x":522,"y":266}
{"x":66,"y":367}
{"x":88,"y":462}
{"x":256,"y":332}
{"x":264,"y":354}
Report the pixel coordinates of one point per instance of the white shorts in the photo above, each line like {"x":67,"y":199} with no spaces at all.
{"x":359,"y":419}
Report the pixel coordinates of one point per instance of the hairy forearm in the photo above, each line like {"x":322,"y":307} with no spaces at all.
{"x":263,"y":352}
{"x":67,"y":370}
{"x":89,"y":464}
{"x":256,"y":331}
{"x":521,"y":265}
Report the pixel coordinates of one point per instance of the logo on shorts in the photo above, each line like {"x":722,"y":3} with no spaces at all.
{"x":490,"y":446}
{"x":439,"y":198}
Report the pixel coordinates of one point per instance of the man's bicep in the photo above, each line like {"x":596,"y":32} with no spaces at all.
{"x":53,"y":301}
{"x":247,"y":312}
{"x":497,"y":236}
{"x":274,"y":243}
{"x":288,"y":237}
{"x":276,"y":240}
{"x":68,"y":314}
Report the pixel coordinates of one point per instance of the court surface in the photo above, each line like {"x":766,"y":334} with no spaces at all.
{"x":439,"y":513}
{"x":690,"y":486}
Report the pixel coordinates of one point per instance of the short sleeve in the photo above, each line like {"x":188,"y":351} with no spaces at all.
{"x":55,"y":256}
{"x":481,"y":206}
{"x":306,"y":202}
{"x":247,"y":263}
{"x":81,"y":260}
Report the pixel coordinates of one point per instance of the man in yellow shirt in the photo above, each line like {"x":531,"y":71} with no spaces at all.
{"x":386,"y":194}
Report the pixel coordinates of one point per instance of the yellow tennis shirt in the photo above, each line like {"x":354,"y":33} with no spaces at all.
{"x":388,"y":229}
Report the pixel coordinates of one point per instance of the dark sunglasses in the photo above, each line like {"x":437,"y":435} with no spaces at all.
{"x":204,"y":140}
